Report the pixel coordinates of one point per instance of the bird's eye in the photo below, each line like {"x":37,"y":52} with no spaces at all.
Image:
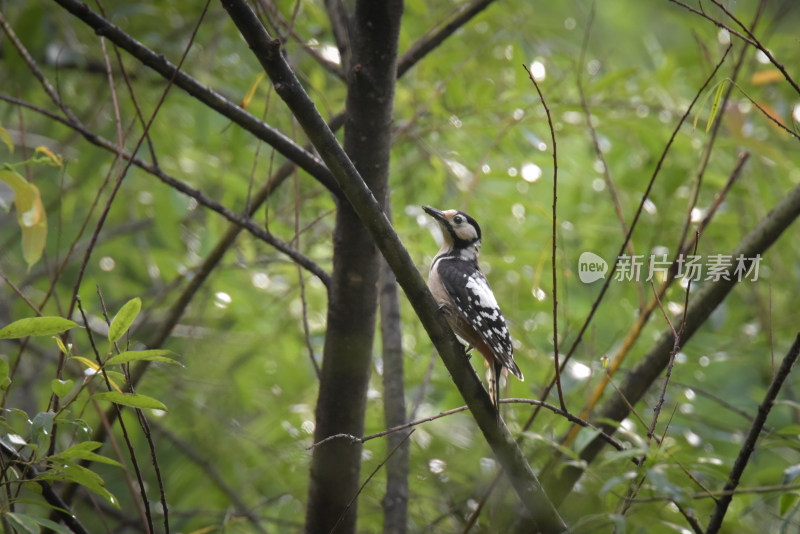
{"x":458,"y":219}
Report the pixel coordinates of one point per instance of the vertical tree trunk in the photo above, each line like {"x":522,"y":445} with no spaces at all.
{"x":395,"y":501}
{"x":335,"y":466}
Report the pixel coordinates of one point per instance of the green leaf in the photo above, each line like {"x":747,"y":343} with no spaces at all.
{"x":715,"y":105}
{"x":80,"y":475}
{"x":30,"y":521}
{"x":787,"y":502}
{"x":61,"y":388}
{"x":83,"y":451}
{"x":42,"y":431}
{"x":36,"y":326}
{"x":6,"y":138}
{"x":134,"y":400}
{"x":154,"y":355}
{"x":5,"y":380}
{"x":124,"y":319}
{"x":22,"y":523}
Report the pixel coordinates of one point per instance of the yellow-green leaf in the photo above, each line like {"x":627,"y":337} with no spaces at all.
{"x":154,"y":355}
{"x":87,"y":362}
{"x":115,"y":379}
{"x":252,"y":91}
{"x":55,"y":161}
{"x":715,"y":105}
{"x":30,"y":215}
{"x":124,"y":319}
{"x":36,"y":326}
{"x":6,"y":138}
{"x":134,"y":400}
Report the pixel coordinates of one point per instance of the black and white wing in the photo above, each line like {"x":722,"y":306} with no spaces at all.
{"x":470,"y":291}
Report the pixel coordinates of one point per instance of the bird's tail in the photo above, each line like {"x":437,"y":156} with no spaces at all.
{"x":495,"y":372}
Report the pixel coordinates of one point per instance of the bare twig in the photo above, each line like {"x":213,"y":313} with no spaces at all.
{"x":758,"y":44}
{"x":201,"y":198}
{"x":612,"y":190}
{"x":374,"y":471}
{"x":610,"y":276}
{"x":210,"y":470}
{"x":425,"y":45}
{"x":555,"y":241}
{"x":207,"y":96}
{"x":754,"y":244}
{"x":752,"y":436}
{"x":568,"y":416}
{"x":675,"y":348}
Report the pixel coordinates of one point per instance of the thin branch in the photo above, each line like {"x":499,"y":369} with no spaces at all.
{"x":422,"y":47}
{"x":145,"y":502}
{"x":641,"y":377}
{"x":340,"y":26}
{"x":752,"y":436}
{"x":689,"y":516}
{"x":554,"y":241}
{"x":201,"y":198}
{"x":326,"y":64}
{"x":716,"y":22}
{"x":210,"y":470}
{"x":675,"y":347}
{"x":374,"y":471}
{"x":305,"y":160}
{"x":555,"y":409}
{"x":610,"y":276}
{"x":758,"y":44}
{"x":612,"y":190}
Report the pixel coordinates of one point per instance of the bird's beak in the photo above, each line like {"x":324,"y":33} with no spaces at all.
{"x":433,"y":212}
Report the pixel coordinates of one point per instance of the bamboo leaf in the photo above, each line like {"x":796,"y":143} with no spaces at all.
{"x":715,"y":105}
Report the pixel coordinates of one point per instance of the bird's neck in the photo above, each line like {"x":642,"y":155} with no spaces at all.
{"x":467,"y":253}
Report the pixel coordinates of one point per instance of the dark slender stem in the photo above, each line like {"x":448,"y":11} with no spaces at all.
{"x":145,"y":502}
{"x":307,"y":161}
{"x":424,"y":46}
{"x":554,"y":241}
{"x":752,"y":436}
{"x":623,"y":246}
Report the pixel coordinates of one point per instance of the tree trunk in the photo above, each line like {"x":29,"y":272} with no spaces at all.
{"x":395,"y":501}
{"x":335,"y":466}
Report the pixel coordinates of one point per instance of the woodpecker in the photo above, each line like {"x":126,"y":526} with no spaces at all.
{"x":463,"y":294}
